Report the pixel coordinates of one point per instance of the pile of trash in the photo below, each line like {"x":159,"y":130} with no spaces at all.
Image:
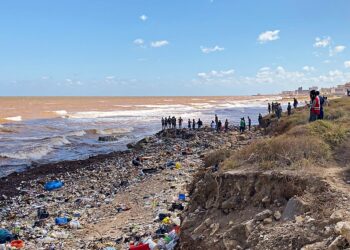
{"x":131,"y":200}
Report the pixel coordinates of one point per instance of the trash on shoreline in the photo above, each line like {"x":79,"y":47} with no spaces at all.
{"x":52,"y":185}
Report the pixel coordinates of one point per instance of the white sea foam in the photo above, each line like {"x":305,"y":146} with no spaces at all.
{"x":14,"y":118}
{"x":37,"y":150}
{"x":77,"y":133}
{"x":61,"y":112}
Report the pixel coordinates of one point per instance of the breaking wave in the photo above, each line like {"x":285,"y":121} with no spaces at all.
{"x":109,"y":131}
{"x":14,"y":118}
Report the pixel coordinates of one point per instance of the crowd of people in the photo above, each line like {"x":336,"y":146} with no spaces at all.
{"x":316,"y":112}
{"x":215,"y":125}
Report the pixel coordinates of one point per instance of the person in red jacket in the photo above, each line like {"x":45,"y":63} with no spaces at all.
{"x":315,"y":106}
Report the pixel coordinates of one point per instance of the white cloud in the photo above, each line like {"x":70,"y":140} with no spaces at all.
{"x":308,"y":68}
{"x":216,"y":74}
{"x":322,"y":43}
{"x":109,"y":77}
{"x":268,"y":36}
{"x":213,"y":49}
{"x":347,"y":64}
{"x":161,"y":43}
{"x":339,"y":48}
{"x":139,"y":41}
{"x":143,"y":18}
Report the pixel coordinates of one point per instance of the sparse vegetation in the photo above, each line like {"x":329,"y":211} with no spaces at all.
{"x":297,"y":143}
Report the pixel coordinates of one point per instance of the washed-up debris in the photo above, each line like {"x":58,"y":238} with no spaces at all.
{"x":72,"y":217}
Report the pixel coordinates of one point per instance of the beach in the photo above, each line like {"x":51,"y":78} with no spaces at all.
{"x":96,"y":187}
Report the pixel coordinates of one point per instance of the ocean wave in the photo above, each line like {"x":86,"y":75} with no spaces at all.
{"x":36,"y":152}
{"x":14,"y":118}
{"x":109,"y":131}
{"x":77,"y":133}
{"x":61,"y":112}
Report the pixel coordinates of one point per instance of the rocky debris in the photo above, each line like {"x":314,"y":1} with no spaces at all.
{"x":108,"y":138}
{"x":107,"y":201}
{"x":263,"y":215}
{"x":295,"y":206}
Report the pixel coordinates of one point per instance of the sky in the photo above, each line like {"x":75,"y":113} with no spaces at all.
{"x":169,"y":48}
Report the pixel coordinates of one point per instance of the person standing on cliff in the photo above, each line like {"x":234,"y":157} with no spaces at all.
{"x":295,"y":103}
{"x":260,"y":119}
{"x":242,"y":125}
{"x":189,"y":124}
{"x":320,"y":117}
{"x":226,"y":125}
{"x":269,"y":107}
{"x":163,"y":123}
{"x":315,"y":106}
{"x":193,"y":124}
{"x":218,"y":128}
{"x":249,"y":123}
{"x":216,"y":120}
{"x":180,"y":123}
{"x":289,"y":109}
{"x":213,"y":126}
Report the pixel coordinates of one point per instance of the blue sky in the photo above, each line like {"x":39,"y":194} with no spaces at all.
{"x":182,"y":47}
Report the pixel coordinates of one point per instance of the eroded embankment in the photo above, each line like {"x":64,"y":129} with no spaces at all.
{"x":258,"y":210}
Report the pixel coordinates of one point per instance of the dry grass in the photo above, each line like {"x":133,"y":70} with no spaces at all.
{"x":299,"y":143}
{"x":281,"y":151}
{"x":216,"y":157}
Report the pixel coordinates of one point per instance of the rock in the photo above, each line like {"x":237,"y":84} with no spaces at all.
{"x":108,"y":138}
{"x":314,"y":246}
{"x":267,"y":220}
{"x":338,"y":243}
{"x":263,"y":215}
{"x":266,"y":200}
{"x":295,"y":206}
{"x":277,"y":215}
{"x":343,"y":228}
{"x":339,"y":215}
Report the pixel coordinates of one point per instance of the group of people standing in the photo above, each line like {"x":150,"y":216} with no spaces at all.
{"x":170,"y":122}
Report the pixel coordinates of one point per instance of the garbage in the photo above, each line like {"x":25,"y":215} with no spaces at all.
{"x":166,"y":220}
{"x":17,"y":244}
{"x":42,"y":213}
{"x":170,"y":163}
{"x":139,"y":247}
{"x":74,"y":224}
{"x":162,"y":216}
{"x":152,"y":245}
{"x":61,"y":220}
{"x":178,"y":165}
{"x":109,"y":248}
{"x":136,"y":162}
{"x":182,"y":197}
{"x":52,"y":185}
{"x":176,"y":206}
{"x":5,"y":236}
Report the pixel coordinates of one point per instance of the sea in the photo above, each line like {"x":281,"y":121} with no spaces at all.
{"x":39,"y":130}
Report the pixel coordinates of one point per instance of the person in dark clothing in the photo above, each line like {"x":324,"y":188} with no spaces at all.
{"x":249,"y":123}
{"x":219,"y":126}
{"x":180,"y":122}
{"x":295,"y":103}
{"x":200,"y":123}
{"x":189,"y":123}
{"x":163,"y":123}
{"x":226,"y":125}
{"x":169,"y":122}
{"x":321,"y":105}
{"x":216,"y":120}
{"x":269,"y":107}
{"x":193,"y":124}
{"x":242,"y":125}
{"x":289,"y":109}
{"x":260,"y":119}
{"x":174,"y":122}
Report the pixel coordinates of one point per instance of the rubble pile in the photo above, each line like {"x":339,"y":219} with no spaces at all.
{"x":130,"y":200}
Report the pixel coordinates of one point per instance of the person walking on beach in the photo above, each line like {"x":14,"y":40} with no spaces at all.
{"x":242,"y":125}
{"x":295,"y":103}
{"x":189,"y":124}
{"x":226,"y":125}
{"x":193,"y":124}
{"x":218,"y":127}
{"x":269,"y":107}
{"x":315,"y":106}
{"x":249,"y":123}
{"x":180,"y":123}
{"x":213,"y":126}
{"x":289,"y":109}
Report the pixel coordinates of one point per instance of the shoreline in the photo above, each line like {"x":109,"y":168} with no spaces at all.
{"x":108,"y":191}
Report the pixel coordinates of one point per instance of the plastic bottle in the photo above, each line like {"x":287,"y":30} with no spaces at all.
{"x":152,"y":245}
